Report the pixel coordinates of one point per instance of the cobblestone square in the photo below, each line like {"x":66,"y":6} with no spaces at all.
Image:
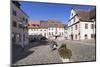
{"x":42,"y":54}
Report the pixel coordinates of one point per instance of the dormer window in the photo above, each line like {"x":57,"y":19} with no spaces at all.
{"x":33,"y":25}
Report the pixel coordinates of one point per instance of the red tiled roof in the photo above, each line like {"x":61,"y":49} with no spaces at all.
{"x":85,"y":15}
{"x":44,"y":24}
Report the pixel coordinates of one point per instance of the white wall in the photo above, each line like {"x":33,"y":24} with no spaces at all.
{"x":45,"y":32}
{"x":81,"y":28}
{"x":38,"y":31}
{"x":71,"y":29}
{"x":84,"y":31}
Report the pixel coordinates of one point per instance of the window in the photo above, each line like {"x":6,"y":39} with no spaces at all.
{"x":52,"y":33}
{"x":28,"y":24}
{"x":13,"y":37}
{"x":35,"y":29}
{"x":14,"y":13}
{"x":49,"y":33}
{"x":56,"y":32}
{"x":92,"y":26}
{"x":59,"y":33}
{"x":26,"y":20}
{"x":23,"y":18}
{"x":86,"y":26}
{"x":18,"y":37}
{"x":71,"y":28}
{"x":45,"y":34}
{"x":20,"y":26}
{"x":14,"y":24}
{"x":72,"y":14}
{"x":85,"y":36}
{"x":49,"y":28}
{"x":38,"y":25}
{"x":13,"y":34}
{"x":40,"y":29}
{"x":75,"y":27}
{"x":33,"y":25}
{"x":92,"y":35}
{"x":76,"y":36}
{"x":62,"y":33}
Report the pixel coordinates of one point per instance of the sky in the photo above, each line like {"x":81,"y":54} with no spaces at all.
{"x":45,"y":11}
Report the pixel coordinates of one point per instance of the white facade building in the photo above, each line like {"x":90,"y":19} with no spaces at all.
{"x":35,"y":28}
{"x":50,"y":29}
{"x":80,"y":25}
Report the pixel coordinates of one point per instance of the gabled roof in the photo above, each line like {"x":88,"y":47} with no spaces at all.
{"x":85,"y":15}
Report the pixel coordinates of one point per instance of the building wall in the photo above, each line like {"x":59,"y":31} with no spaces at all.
{"x":18,"y":32}
{"x":50,"y":32}
{"x":53,"y":31}
{"x":84,"y":31}
{"x":80,"y":33}
{"x":73,"y":33}
{"x":50,"y":29}
{"x":38,"y":31}
{"x":73,"y":18}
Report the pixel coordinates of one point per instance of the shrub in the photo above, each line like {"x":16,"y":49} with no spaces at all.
{"x":63,"y":46}
{"x":64,"y":52}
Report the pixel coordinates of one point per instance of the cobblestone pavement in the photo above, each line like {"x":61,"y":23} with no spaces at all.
{"x":41,"y":55}
{"x":81,"y":51}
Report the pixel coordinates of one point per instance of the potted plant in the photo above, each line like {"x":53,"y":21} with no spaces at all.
{"x":65,"y":53}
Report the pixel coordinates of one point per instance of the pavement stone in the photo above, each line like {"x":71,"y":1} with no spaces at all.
{"x":81,"y":51}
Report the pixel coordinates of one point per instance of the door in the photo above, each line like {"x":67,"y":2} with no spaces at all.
{"x":71,"y":36}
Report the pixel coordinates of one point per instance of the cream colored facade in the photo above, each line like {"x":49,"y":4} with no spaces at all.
{"x":18,"y":25}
